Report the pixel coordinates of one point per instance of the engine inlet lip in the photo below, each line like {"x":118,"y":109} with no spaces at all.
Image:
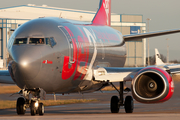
{"x":150,"y":71}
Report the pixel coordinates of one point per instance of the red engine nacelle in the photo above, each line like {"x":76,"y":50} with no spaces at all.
{"x":152,"y":85}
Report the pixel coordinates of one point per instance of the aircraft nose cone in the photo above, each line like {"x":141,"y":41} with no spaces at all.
{"x":26,"y":65}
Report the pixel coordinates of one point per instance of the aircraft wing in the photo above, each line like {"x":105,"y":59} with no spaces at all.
{"x":174,"y":68}
{"x":119,"y":74}
{"x":132,"y":37}
{"x":115,"y":74}
{"x":5,"y":77}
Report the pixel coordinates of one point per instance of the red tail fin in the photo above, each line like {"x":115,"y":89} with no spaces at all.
{"x":103,"y":16}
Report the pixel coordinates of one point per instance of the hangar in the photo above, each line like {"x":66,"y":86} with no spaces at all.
{"x":12,"y":17}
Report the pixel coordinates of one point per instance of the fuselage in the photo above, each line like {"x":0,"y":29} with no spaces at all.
{"x":64,"y":59}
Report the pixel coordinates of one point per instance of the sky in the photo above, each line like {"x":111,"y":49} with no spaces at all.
{"x":164,"y":15}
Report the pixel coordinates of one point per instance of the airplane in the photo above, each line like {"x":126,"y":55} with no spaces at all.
{"x":75,"y":56}
{"x":170,"y":67}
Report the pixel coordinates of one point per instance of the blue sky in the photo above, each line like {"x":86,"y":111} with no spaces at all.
{"x":164,"y":15}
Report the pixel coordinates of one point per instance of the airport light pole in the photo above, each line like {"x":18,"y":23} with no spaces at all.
{"x":148,"y":19}
{"x":167,"y":51}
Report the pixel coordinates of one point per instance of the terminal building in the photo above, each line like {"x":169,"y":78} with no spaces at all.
{"x":12,"y":17}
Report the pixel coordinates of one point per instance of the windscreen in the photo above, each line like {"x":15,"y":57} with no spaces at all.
{"x":50,"y":41}
{"x":18,"y":41}
{"x":36,"y":41}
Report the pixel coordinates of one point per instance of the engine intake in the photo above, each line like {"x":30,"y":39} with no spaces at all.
{"x":152,"y":85}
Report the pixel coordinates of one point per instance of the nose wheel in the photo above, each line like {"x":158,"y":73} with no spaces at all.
{"x":20,"y":106}
{"x":41,"y":109}
{"x":36,"y":108}
{"x":117,"y":102}
{"x":33,"y":108}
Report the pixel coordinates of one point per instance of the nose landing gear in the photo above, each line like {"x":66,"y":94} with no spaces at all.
{"x":33,"y":103}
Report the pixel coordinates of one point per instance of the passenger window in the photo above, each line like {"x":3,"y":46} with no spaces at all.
{"x":18,"y":41}
{"x":36,"y":41}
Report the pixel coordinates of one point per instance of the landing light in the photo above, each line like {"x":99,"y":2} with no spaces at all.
{"x":24,"y":63}
{"x":36,"y":104}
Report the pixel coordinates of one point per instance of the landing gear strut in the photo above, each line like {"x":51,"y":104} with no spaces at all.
{"x":33,"y":103}
{"x":117,"y":102}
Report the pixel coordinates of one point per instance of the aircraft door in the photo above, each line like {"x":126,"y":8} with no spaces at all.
{"x":70,"y":43}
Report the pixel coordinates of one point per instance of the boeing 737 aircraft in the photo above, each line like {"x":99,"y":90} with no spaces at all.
{"x":56,"y":55}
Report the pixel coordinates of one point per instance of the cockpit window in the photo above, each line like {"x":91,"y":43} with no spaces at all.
{"x":50,"y":41}
{"x":47,"y":41}
{"x":53,"y":42}
{"x":36,"y":41}
{"x":18,"y":41}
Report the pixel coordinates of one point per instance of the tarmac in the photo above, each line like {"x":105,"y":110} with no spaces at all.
{"x":100,"y":109}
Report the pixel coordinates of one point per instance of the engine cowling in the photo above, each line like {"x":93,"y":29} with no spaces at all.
{"x":152,"y":85}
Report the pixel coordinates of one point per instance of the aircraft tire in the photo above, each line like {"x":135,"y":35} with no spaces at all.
{"x":32,"y":108}
{"x":129,"y":104}
{"x":41,"y":109}
{"x":20,"y":109}
{"x":115,"y":104}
